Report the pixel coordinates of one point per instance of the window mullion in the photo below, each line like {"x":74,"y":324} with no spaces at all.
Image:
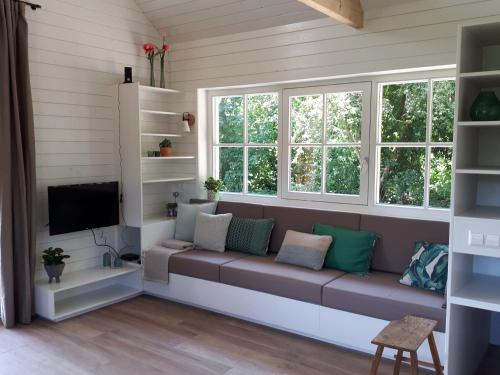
{"x":427,"y":144}
{"x":245,"y":144}
{"x":323,"y":148}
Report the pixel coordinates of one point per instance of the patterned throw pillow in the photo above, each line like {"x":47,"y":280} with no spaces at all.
{"x":249,"y":235}
{"x":428,"y":268}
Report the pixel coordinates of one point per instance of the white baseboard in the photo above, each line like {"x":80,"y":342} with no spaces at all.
{"x":337,"y":327}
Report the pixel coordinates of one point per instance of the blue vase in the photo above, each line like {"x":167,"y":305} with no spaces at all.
{"x":485,"y":107}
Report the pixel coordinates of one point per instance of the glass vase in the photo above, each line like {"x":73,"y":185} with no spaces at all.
{"x":152,"y":72}
{"x":162,"y":73}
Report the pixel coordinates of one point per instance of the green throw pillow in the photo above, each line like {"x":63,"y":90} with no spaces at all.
{"x":351,"y":250}
{"x":249,"y":235}
{"x":428,"y":267}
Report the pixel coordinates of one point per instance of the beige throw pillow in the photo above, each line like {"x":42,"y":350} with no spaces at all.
{"x":304,"y":249}
{"x":211,"y":231}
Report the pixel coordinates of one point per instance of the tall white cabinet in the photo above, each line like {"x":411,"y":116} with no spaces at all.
{"x":474,"y":270}
{"x":147,"y":116}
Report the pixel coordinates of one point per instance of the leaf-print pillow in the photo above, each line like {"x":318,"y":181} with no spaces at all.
{"x":428,"y":268}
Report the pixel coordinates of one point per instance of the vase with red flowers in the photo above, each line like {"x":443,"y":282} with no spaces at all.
{"x":149,"y":49}
{"x":162,"y":51}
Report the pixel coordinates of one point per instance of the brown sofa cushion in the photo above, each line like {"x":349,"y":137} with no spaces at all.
{"x":396,"y":244}
{"x":201,"y":264}
{"x":243,"y":210}
{"x":264,"y":275}
{"x":381,"y":296}
{"x":302,"y":220}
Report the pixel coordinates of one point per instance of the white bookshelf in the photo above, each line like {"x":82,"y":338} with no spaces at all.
{"x":474,"y":275}
{"x":147,"y":115}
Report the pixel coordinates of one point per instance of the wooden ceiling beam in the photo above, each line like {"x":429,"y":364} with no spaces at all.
{"x":349,"y":12}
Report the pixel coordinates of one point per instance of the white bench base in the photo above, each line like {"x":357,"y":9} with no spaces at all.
{"x":337,"y":327}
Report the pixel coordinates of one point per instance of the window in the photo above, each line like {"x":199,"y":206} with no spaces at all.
{"x":414,"y":143}
{"x":327,"y":143}
{"x":246,"y":142}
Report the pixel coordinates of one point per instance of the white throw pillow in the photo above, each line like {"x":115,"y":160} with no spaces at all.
{"x":211,"y":231}
{"x":186,"y":219}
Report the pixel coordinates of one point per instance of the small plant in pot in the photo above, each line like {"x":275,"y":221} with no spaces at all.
{"x":166,"y":147}
{"x":213,"y":188}
{"x":53,"y":261}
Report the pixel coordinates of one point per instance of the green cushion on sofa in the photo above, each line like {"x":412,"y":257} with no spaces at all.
{"x":351,"y":250}
{"x":249,"y":235}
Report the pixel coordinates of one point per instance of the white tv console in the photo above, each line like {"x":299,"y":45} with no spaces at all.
{"x":86,"y":290}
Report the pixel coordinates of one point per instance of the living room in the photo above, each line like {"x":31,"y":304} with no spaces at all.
{"x":235,"y":186}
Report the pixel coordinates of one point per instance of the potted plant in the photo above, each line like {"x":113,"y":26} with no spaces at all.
{"x":53,"y":261}
{"x":213,"y":188}
{"x":166,"y":147}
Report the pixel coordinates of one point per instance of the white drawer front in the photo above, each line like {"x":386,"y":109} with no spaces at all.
{"x":476,"y":236}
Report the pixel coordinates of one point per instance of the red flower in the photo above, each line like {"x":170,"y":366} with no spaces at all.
{"x":148,"y":47}
{"x":165,"y":47}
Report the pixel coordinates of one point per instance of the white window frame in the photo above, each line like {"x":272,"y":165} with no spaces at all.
{"x":428,"y":145}
{"x":214,"y":136}
{"x":323,"y":196}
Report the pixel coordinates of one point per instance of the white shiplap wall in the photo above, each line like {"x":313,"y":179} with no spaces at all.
{"x":405,"y":35}
{"x":77,"y":53}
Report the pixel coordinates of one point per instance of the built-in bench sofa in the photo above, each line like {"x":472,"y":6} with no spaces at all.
{"x":329,"y":305}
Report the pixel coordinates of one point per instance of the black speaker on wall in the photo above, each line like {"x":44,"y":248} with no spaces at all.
{"x":128,"y":74}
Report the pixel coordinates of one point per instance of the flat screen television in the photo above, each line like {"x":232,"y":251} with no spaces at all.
{"x":74,"y":208}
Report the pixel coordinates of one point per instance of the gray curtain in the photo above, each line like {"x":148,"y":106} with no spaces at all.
{"x":17,"y":169}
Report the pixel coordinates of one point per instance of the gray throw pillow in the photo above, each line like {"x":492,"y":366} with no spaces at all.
{"x":304,"y":249}
{"x":186,"y":219}
{"x":211,"y":231}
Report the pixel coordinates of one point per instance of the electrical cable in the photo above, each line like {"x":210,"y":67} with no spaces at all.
{"x":117,"y":254}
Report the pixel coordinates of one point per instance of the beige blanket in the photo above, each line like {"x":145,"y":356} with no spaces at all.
{"x":156,"y":260}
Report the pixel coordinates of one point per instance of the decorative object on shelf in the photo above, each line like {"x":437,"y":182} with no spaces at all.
{"x":166,"y":147}
{"x":128,"y":74}
{"x":486,"y":107}
{"x":162,"y":52}
{"x":172,"y":207}
{"x":53,"y":261}
{"x":188,"y":120}
{"x":213,"y":188}
{"x":151,"y":154}
{"x":106,"y":259}
{"x":157,"y":154}
{"x":149,"y":49}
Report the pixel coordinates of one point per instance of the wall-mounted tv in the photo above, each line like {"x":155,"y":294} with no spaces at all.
{"x":78,"y":207}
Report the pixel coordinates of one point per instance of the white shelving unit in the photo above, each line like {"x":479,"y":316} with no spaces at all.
{"x":86,"y":290}
{"x":474,"y":263}
{"x":149,"y":114}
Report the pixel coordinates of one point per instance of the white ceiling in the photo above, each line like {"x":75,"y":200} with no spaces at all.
{"x":196,"y":19}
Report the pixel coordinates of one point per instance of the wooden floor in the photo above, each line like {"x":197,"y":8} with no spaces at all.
{"x":152,"y":336}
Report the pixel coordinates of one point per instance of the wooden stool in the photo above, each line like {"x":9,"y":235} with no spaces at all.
{"x":406,"y":335}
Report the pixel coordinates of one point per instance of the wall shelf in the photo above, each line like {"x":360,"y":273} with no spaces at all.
{"x":180,"y":157}
{"x":484,"y":78}
{"x":155,"y":219}
{"x":159,"y":90}
{"x":170,"y":135}
{"x":161,"y":113}
{"x":481,"y":291}
{"x":479,"y":123}
{"x":480,"y":212}
{"x":479,"y":170}
{"x":153,"y":180}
